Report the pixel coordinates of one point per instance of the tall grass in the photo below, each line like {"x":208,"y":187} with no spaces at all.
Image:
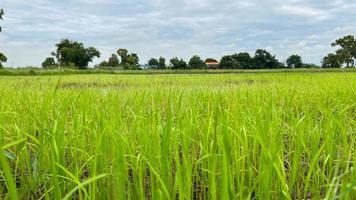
{"x":251,"y":136}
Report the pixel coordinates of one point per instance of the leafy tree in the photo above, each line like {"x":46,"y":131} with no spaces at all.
{"x":133,"y":59}
{"x":344,"y":56}
{"x":227,"y":62}
{"x":132,"y":62}
{"x":123,"y":53}
{"x":128,"y":61}
{"x":264,"y":60}
{"x":281,"y":65}
{"x":113,"y":61}
{"x":3,"y":58}
{"x":347,"y":53}
{"x":162,"y":63}
{"x":1,"y":16}
{"x":1,"y":13}
{"x":294,"y":61}
{"x":178,"y":63}
{"x":72,"y":53}
{"x":242,"y":61}
{"x":153,"y":63}
{"x":49,"y":63}
{"x":103,"y":64}
{"x":331,"y":61}
{"x":196,"y":63}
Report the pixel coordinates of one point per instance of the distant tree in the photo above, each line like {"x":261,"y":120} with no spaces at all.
{"x":294,"y":61}
{"x":281,"y":65}
{"x":196,"y":63}
{"x":264,"y":60}
{"x":178,"y":63}
{"x":132,"y":62}
{"x":1,"y":16}
{"x":3,"y":59}
{"x":72,"y":53}
{"x":345,"y":57}
{"x":113,"y":61}
{"x":1,"y":13}
{"x":310,"y":65}
{"x":212,"y":60}
{"x":103,"y":64}
{"x":153,"y":63}
{"x":331,"y":61}
{"x":347,"y":53}
{"x":242,"y":61}
{"x":162,"y":63}
{"x":227,"y":62}
{"x":49,"y":63}
{"x":123,"y":53}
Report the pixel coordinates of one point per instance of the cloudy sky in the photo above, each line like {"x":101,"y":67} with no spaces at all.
{"x":153,"y":28}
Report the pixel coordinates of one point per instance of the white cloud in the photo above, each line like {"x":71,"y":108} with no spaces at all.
{"x":210,"y":28}
{"x":305,"y":11}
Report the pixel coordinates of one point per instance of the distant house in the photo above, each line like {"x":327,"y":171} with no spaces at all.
{"x":212,"y":63}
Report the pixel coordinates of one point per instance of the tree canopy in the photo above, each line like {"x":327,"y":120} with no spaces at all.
{"x":196,"y":63}
{"x":2,"y":12}
{"x":3,"y":59}
{"x":227,"y":62}
{"x":178,"y":63}
{"x":74,"y":54}
{"x":243,"y":60}
{"x":265,"y":60}
{"x":331,"y":61}
{"x":294,"y":61}
{"x":123,"y":53}
{"x":262,"y":60}
{"x":162,"y":63}
{"x":132,"y":62}
{"x":49,"y":63}
{"x":153,"y":62}
{"x":128,"y":61}
{"x":113,"y":61}
{"x":344,"y":55}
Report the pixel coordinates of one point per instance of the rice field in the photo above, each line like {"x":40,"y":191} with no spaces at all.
{"x":226,"y":136}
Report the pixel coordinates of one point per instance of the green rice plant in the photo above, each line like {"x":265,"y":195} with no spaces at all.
{"x":178,"y":136}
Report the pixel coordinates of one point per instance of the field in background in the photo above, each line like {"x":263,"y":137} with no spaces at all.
{"x":222,"y":136}
{"x":32,"y":71}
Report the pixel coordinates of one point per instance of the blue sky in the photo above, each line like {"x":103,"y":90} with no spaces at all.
{"x":153,"y":28}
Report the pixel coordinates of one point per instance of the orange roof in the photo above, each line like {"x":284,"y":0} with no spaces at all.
{"x":212,"y":63}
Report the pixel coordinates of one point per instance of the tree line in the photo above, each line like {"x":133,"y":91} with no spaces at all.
{"x":73,"y":54}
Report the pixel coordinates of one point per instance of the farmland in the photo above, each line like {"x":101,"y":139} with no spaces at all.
{"x":186,"y":136}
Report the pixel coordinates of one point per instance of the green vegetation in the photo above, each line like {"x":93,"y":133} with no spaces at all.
{"x":345,"y":55}
{"x":32,"y":71}
{"x":74,"y":54}
{"x":294,"y":61}
{"x":222,"y":136}
{"x":179,"y":64}
{"x":49,"y":63}
{"x":1,"y":16}
{"x":3,"y":58}
{"x":196,"y":63}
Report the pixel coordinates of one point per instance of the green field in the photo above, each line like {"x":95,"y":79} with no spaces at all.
{"x":214,"y":136}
